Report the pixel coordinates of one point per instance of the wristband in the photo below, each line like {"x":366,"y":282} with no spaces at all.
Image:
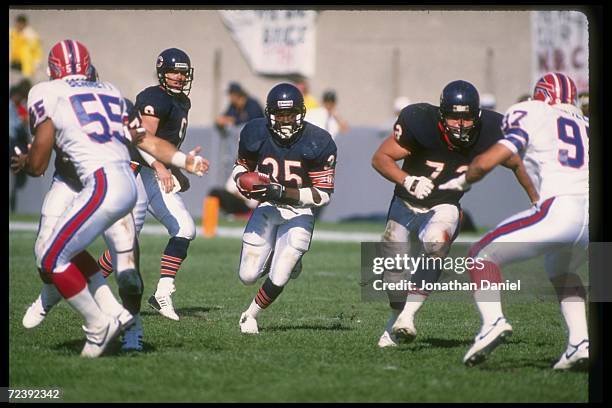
{"x":179,"y":159}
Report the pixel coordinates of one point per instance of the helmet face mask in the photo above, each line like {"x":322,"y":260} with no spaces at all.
{"x":459,"y":133}
{"x":460,"y":103}
{"x":285,"y":112}
{"x":169,"y":63}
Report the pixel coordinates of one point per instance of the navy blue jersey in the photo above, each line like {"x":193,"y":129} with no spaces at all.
{"x":418,"y":129}
{"x":171,"y":110}
{"x":310,"y":161}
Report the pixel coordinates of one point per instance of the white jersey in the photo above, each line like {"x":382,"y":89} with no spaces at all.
{"x":88,"y":118}
{"x":554,"y":143}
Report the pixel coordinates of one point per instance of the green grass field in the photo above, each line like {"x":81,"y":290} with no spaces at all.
{"x":317,"y":341}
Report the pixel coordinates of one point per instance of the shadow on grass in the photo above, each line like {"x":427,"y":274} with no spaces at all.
{"x":196,"y":311}
{"x":510,"y":363}
{"x":304,"y":326}
{"x":74,"y":347}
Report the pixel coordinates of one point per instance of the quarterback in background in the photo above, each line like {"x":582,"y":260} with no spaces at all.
{"x":552,"y":135}
{"x":288,"y":165}
{"x":86,"y":121}
{"x":436,"y":143}
{"x":164,"y":109}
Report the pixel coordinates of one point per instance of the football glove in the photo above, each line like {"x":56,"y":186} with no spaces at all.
{"x":268,"y":192}
{"x":457,"y":184}
{"x":420,"y":187}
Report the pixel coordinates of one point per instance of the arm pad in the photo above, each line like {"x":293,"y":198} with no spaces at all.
{"x":238,"y":170}
{"x":307,"y":199}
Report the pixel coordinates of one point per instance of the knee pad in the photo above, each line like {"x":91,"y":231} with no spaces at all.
{"x":436,"y":241}
{"x":253,"y":260}
{"x":395,"y":232}
{"x":299,"y":239}
{"x":187,"y":230}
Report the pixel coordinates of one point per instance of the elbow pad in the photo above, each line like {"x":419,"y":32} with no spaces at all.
{"x":307,"y":198}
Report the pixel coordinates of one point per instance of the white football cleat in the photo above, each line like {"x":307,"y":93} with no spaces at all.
{"x":387,"y":340}
{"x":487,"y":340}
{"x":98,"y":340}
{"x":162,"y":302}
{"x":575,"y":357}
{"x":132,"y":337}
{"x":248,"y":324}
{"x":403,"y":329}
{"x":35,"y":314}
{"x":126,"y":319}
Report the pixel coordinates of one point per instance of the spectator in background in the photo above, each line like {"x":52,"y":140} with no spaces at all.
{"x":583,"y":102}
{"x":25,"y":51}
{"x":310,"y":102}
{"x":326,"y":116}
{"x":18,"y":134}
{"x":242,"y":108}
{"x":487,"y":101}
{"x":18,"y":116}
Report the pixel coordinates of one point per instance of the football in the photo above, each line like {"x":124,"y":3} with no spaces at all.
{"x":252,"y":178}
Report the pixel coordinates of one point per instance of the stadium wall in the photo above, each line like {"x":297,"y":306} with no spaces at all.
{"x":368,"y":56}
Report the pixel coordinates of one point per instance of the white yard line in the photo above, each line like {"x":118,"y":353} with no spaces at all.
{"x":235,"y":232}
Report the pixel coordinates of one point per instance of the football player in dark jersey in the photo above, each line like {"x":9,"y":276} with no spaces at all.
{"x":436,"y":143}
{"x":300,"y":159}
{"x":164,"y":109}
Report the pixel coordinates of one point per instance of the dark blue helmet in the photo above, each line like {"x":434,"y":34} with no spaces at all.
{"x":285,"y":111}
{"x":174,"y":60}
{"x":460,"y":100}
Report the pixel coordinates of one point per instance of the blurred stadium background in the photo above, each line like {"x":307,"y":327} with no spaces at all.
{"x":369,"y":57}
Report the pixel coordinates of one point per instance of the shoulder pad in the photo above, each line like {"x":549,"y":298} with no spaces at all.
{"x":153,"y":101}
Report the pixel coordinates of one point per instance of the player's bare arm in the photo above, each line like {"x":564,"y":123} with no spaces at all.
{"x":515,"y":163}
{"x":384,"y":161}
{"x":487,"y":161}
{"x":36,"y":161}
{"x":167,"y":153}
{"x":151,"y":123}
{"x":385,"y":158}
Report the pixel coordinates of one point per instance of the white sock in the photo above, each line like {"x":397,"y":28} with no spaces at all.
{"x":489,"y":305}
{"x":85,"y":304}
{"x":103,"y":296}
{"x":253,"y":309}
{"x":392,"y":319}
{"x":574,"y":313}
{"x":414,"y":301}
{"x":49,"y":296}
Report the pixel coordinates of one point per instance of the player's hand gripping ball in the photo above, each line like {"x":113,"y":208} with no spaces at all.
{"x":246,"y":181}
